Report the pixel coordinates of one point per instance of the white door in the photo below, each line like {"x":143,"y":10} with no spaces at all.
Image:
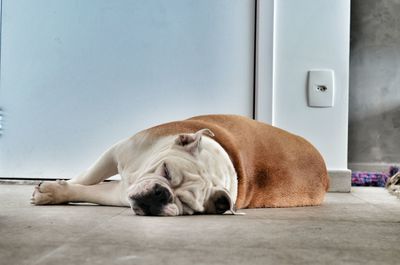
{"x":77,"y":76}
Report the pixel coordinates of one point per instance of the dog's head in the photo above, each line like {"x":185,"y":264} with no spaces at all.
{"x":178,"y":182}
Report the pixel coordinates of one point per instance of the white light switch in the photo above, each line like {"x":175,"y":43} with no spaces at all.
{"x":320,"y":88}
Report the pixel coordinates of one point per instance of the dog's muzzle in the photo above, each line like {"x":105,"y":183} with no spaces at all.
{"x":152,"y":202}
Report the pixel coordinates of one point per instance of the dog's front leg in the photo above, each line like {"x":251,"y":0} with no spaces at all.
{"x":60,"y":192}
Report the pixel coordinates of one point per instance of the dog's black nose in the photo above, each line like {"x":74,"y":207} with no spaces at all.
{"x":153,"y":202}
{"x":161,"y":194}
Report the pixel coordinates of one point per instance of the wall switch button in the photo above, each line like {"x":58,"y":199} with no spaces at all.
{"x":320,"y":88}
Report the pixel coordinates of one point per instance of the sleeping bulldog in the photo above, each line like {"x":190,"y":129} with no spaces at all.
{"x":206,"y":164}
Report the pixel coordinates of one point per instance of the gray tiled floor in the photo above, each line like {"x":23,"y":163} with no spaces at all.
{"x":358,"y":228}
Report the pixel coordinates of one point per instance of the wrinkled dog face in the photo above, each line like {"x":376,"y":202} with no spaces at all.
{"x":179,"y":184}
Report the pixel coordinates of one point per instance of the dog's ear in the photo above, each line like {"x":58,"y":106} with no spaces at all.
{"x":192,"y":142}
{"x":219,"y":202}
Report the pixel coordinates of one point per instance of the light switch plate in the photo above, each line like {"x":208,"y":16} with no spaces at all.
{"x":320,"y":88}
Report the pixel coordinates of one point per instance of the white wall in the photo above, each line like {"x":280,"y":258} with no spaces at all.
{"x":312,"y":34}
{"x":77,"y":76}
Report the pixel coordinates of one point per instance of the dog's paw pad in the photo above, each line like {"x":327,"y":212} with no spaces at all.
{"x":49,"y":192}
{"x":39,"y":198}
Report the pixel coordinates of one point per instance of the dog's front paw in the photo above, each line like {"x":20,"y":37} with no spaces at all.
{"x":50,"y":192}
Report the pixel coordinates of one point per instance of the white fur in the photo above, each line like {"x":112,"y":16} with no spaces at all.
{"x":194,"y":176}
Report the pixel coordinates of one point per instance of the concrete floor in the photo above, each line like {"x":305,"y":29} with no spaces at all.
{"x":358,"y":228}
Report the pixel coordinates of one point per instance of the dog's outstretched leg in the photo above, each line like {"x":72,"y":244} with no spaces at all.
{"x":103,"y":168}
{"x":60,"y":192}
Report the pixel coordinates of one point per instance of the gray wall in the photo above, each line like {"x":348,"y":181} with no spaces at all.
{"x":374,"y":122}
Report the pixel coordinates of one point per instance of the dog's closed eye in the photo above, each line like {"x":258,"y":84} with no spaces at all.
{"x":163,"y":171}
{"x":166,"y":171}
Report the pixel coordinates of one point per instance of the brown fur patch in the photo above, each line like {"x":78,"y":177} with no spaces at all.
{"x":261,"y":178}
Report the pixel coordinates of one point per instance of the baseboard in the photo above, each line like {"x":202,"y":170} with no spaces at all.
{"x":371,"y":167}
{"x":340,"y":180}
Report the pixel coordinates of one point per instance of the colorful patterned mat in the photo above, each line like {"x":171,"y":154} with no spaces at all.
{"x":376,"y":179}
